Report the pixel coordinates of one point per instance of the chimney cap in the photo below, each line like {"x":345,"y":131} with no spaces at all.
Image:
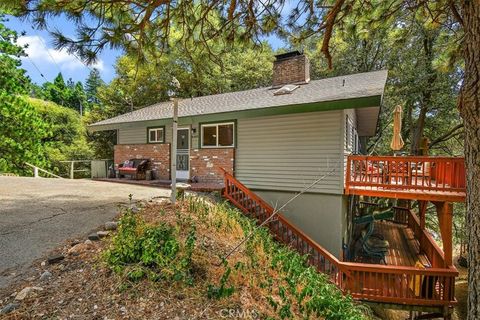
{"x":287,"y":55}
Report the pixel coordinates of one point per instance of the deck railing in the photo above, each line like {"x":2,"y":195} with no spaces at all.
{"x":428,"y":245}
{"x":405,"y":173}
{"x":380,"y":283}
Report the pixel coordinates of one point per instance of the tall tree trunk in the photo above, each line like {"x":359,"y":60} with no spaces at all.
{"x":426,"y":100}
{"x":469,"y":104}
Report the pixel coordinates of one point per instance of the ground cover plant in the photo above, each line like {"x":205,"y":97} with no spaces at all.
{"x":166,"y":262}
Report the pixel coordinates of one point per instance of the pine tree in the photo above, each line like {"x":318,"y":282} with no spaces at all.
{"x":92,"y":83}
{"x":12,"y":78}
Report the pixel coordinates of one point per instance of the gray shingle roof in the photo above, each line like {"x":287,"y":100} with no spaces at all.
{"x":330,"y":89}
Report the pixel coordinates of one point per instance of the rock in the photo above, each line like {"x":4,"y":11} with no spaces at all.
{"x":135,"y":210}
{"x":26,"y":292}
{"x":55,"y":258}
{"x":111,"y":225}
{"x":9,"y":307}
{"x":43,"y":263}
{"x":103,"y":234}
{"x":93,"y":237}
{"x":88,"y":242}
{"x":123,"y":310}
{"x":45,"y":276}
{"x":79,"y":248}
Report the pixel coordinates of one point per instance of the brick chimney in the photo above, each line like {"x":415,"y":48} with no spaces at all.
{"x":290,"y":68}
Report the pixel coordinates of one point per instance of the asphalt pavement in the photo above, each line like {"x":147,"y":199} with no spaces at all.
{"x":37,"y":214}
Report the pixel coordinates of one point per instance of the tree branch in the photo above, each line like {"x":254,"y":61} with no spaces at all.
{"x":446,"y":136}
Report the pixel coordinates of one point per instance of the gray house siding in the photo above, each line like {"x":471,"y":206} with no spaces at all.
{"x":288,"y":152}
{"x":320,"y":216}
{"x":136,"y":132}
{"x":133,"y":135}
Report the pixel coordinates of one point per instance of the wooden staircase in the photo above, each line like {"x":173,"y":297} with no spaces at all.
{"x":369,"y":282}
{"x":283,"y":231}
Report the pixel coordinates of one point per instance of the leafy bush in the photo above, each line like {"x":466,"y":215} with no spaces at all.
{"x":141,"y":250}
{"x":68,"y":140}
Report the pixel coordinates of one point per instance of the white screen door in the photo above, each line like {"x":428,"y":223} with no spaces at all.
{"x":183,"y":153}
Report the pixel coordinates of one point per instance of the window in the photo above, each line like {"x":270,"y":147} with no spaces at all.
{"x":218,"y":135}
{"x":351,"y":135}
{"x":156,"y":135}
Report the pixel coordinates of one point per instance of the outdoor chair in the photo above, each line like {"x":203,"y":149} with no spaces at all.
{"x":374,"y":246}
{"x":399,"y":172}
{"x":135,"y":168}
{"x":421,"y":174}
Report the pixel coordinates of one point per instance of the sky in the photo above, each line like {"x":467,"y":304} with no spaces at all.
{"x":43,"y":62}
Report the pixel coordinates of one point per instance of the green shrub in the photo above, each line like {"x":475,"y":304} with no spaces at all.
{"x":140,"y":250}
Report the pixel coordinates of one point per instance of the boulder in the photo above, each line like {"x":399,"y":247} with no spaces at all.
{"x":79,"y":248}
{"x":26,"y":292}
{"x":45,"y":276}
{"x":93,"y":237}
{"x":9,"y":308}
{"x":111,"y":225}
{"x":55,"y":258}
{"x":103,"y":234}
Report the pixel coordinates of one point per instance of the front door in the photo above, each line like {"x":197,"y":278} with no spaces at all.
{"x":183,"y":154}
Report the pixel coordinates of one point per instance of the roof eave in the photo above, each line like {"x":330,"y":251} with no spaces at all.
{"x":356,"y":103}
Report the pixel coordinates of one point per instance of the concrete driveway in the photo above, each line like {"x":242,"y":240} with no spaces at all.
{"x":38,"y":214}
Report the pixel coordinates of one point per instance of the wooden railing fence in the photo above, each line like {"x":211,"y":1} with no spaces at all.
{"x":445,"y":174}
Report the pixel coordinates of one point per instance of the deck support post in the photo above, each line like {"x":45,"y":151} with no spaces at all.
{"x":422,"y":205}
{"x":445,"y":219}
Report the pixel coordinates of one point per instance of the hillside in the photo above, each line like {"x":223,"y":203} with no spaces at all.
{"x":164,"y":263}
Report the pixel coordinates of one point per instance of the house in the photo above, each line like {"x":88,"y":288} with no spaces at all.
{"x":275,"y":141}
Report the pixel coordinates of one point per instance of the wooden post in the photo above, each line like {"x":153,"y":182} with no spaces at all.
{"x":35,"y":172}
{"x":72,"y":164}
{"x":173,"y":153}
{"x":445,"y":219}
{"x":422,"y":208}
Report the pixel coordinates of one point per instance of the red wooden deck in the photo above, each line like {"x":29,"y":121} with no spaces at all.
{"x":404,"y":249}
{"x":410,"y":177}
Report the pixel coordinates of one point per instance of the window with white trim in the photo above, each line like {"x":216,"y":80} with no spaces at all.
{"x":218,"y":135}
{"x":156,"y":135}
{"x":351,"y":136}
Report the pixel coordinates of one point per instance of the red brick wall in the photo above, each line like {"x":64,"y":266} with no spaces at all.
{"x":159,"y":153}
{"x":205,"y":164}
{"x":291,"y":70}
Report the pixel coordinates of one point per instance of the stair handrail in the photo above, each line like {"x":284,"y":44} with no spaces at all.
{"x":332,"y":259}
{"x":36,"y":169}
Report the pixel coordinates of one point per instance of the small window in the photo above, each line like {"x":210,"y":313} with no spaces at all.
{"x":350,"y":135}
{"x":156,"y":135}
{"x":219,"y":135}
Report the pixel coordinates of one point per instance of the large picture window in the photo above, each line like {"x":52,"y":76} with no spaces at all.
{"x":156,"y":135}
{"x":218,"y":135}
